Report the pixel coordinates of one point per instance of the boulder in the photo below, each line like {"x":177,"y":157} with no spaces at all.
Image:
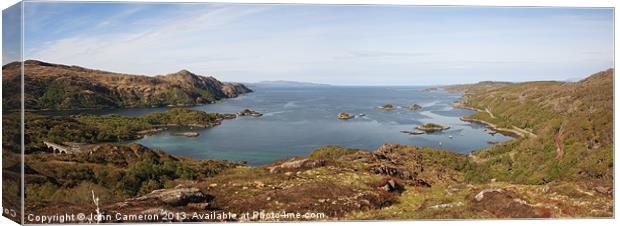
{"x":392,"y":185}
{"x":175,"y":196}
{"x":393,"y":171}
{"x":604,"y":190}
{"x":297,"y":164}
{"x":480,"y":194}
{"x":405,"y":175}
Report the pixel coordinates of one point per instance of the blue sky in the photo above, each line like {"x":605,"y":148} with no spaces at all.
{"x":351,"y":45}
{"x":11,"y":48}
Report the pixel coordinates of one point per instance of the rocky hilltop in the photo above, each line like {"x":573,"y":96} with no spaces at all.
{"x":60,"y":87}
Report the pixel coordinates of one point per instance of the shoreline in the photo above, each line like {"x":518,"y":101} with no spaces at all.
{"x":127,"y":107}
{"x":158,"y":129}
{"x":515,"y":132}
{"x":493,"y":127}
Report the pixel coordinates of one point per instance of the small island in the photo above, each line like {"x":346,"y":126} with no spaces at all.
{"x":387,"y":107}
{"x":344,"y":116}
{"x":432,"y":127}
{"x":248,"y":112}
{"x":414,"y":107}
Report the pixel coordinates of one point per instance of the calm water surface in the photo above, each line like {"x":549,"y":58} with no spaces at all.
{"x":297,"y":120}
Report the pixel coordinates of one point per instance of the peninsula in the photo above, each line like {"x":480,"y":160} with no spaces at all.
{"x":62,"y":87}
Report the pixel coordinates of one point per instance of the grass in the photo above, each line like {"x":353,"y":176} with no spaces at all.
{"x":331,"y":152}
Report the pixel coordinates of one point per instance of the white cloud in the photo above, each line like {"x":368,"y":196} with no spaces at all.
{"x":157,"y":49}
{"x":272,"y":42}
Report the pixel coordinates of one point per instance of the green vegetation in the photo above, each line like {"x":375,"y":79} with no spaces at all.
{"x":331,"y":152}
{"x":74,"y":93}
{"x":432,"y":125}
{"x":60,"y":87}
{"x":116,"y":127}
{"x":94,"y":129}
{"x":151,"y":174}
{"x":572,"y":123}
{"x":114,"y":172}
{"x":387,"y":107}
{"x":113,"y":127}
{"x":414,"y":107}
{"x":183,"y":117}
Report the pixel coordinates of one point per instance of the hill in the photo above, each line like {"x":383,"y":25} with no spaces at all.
{"x":570,"y":126}
{"x":59,"y":87}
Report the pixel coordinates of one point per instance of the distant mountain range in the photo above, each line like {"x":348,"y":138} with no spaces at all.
{"x":281,"y":83}
{"x":60,"y":87}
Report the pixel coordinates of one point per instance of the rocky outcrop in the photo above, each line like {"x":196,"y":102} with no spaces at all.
{"x":408,"y":176}
{"x":159,"y":205}
{"x":248,"y":112}
{"x":344,"y":116}
{"x":392,"y":171}
{"x":297,"y":165}
{"x":392,"y":185}
{"x":174,"y":197}
{"x":387,"y":107}
{"x":506,"y":204}
{"x":360,"y":185}
{"x":234,"y":89}
{"x":414,"y":107}
{"x":60,"y":87}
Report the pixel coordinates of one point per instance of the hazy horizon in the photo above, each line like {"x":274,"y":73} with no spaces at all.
{"x":574,"y":79}
{"x":327,"y":44}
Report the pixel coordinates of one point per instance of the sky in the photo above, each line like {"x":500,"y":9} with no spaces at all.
{"x":333,"y":44}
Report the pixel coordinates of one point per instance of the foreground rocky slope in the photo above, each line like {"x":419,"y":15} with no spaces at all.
{"x":393,"y":182}
{"x":58,"y":87}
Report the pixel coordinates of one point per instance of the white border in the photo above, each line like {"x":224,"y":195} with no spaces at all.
{"x":570,"y":3}
{"x":574,"y":3}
